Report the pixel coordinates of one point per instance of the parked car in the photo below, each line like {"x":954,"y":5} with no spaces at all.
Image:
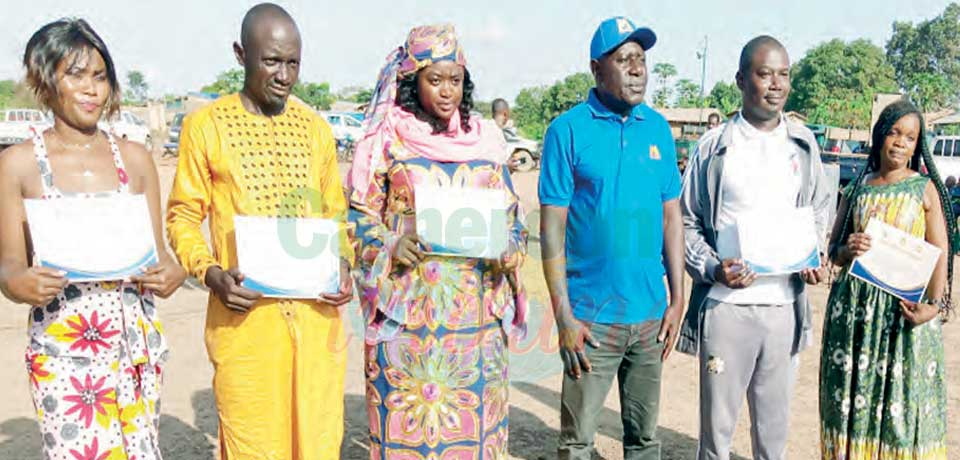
{"x":172,"y":145}
{"x":131,"y":127}
{"x":524,"y":153}
{"x":15,"y":125}
{"x":345,"y":127}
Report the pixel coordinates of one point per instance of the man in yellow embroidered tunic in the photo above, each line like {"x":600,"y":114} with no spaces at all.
{"x":279,"y":364}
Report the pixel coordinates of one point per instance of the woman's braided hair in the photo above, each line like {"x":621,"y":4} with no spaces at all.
{"x":921,"y":157}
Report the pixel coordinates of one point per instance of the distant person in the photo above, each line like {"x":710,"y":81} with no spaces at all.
{"x":279,"y":364}
{"x":682,"y":154}
{"x":713,"y":120}
{"x":97,"y":349}
{"x":612,"y":229}
{"x":883,"y":390}
{"x":501,"y":115}
{"x":748,"y":330}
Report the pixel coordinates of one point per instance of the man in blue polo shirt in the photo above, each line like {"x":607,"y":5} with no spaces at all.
{"x":611,"y":223}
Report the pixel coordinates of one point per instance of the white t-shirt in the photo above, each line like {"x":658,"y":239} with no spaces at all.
{"x":761,"y":172}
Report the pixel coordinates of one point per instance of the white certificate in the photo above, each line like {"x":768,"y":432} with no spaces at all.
{"x":897,"y":262}
{"x":779,"y":243}
{"x":105,"y":238}
{"x":462,"y":221}
{"x":287,"y":257}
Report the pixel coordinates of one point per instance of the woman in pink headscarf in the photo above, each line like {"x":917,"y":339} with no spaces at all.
{"x":437,"y":327}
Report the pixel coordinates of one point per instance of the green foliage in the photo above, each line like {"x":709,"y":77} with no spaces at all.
{"x":926,"y":58}
{"x":834,"y":84}
{"x":688,"y":94}
{"x":316,"y":95}
{"x":724,"y":97}
{"x":16,"y":95}
{"x":536,"y":107}
{"x":7,"y":89}
{"x":228,"y":82}
{"x":136,"y":87}
{"x":664,"y":71}
{"x":363,"y":96}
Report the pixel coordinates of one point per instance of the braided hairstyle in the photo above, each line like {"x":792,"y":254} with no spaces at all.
{"x":408,"y":98}
{"x":921,"y":158}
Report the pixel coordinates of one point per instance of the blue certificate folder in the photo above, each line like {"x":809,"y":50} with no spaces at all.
{"x":106,"y":238}
{"x":897,"y":262}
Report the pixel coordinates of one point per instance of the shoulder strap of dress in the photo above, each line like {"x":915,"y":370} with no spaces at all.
{"x":43,"y":163}
{"x":118,"y":163}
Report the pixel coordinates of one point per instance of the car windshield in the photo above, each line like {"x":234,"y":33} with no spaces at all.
{"x":352,"y":122}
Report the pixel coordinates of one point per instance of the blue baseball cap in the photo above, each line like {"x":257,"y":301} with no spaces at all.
{"x":614,"y":32}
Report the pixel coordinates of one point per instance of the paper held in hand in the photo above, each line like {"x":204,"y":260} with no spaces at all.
{"x":778,"y":243}
{"x":287,"y":257}
{"x":462,"y":221}
{"x":106,"y":238}
{"x":897,"y":262}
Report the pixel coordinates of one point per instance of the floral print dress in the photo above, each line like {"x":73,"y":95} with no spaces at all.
{"x":882,"y":391}
{"x":436,"y":336}
{"x":95,"y":359}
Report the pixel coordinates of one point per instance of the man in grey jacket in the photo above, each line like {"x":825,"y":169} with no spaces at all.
{"x":747,"y":330}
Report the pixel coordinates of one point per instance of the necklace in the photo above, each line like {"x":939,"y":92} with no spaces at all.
{"x":68,"y":146}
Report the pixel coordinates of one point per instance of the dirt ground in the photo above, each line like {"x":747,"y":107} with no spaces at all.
{"x":189,"y":424}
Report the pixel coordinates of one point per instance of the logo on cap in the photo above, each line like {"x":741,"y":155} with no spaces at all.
{"x":654,"y":152}
{"x":624,"y":26}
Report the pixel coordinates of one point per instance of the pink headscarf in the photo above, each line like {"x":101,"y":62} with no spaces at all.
{"x":385,"y":121}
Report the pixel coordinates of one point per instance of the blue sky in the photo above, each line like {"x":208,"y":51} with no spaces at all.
{"x":181,"y":45}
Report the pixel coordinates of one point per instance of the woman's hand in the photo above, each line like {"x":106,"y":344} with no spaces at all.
{"x":163,"y":278}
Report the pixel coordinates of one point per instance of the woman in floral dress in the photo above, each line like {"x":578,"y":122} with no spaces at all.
{"x":96,"y":349}
{"x":882,"y":383}
{"x":436,"y":326}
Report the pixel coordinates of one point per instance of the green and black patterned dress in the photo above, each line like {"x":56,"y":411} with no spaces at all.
{"x":882,"y":383}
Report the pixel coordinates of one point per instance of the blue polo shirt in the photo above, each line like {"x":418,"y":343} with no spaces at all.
{"x":613,"y":176}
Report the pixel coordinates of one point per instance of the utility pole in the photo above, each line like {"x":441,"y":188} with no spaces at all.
{"x":702,"y":56}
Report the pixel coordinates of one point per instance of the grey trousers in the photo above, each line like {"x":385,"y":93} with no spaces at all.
{"x":632,"y":354}
{"x":746,"y":349}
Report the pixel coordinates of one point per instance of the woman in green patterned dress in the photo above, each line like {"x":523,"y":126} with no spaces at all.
{"x":882,"y":383}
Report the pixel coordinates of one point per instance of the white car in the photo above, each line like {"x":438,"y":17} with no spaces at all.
{"x":946,"y":155}
{"x":344,"y":126}
{"x":131,"y":127}
{"x":15,"y":125}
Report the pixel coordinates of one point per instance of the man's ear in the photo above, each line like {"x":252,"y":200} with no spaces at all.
{"x":239,"y":53}
{"x":595,"y":70}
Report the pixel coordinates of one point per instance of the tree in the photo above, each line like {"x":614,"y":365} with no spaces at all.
{"x":536,"y":107}
{"x":7,"y":89}
{"x":664,"y":72}
{"x":18,"y":95}
{"x":688,"y":94}
{"x":926,"y":58}
{"x":528,"y":112}
{"x":136,"y":87}
{"x":835,"y":82}
{"x":228,"y":82}
{"x":316,"y":95}
{"x":724,"y":97}
{"x":363,"y":96}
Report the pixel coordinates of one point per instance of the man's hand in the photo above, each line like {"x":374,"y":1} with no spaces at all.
{"x":814,"y":276}
{"x":345,"y":293}
{"x":669,"y":329}
{"x":573,"y":336}
{"x":226,"y":286}
{"x":734,"y":274}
